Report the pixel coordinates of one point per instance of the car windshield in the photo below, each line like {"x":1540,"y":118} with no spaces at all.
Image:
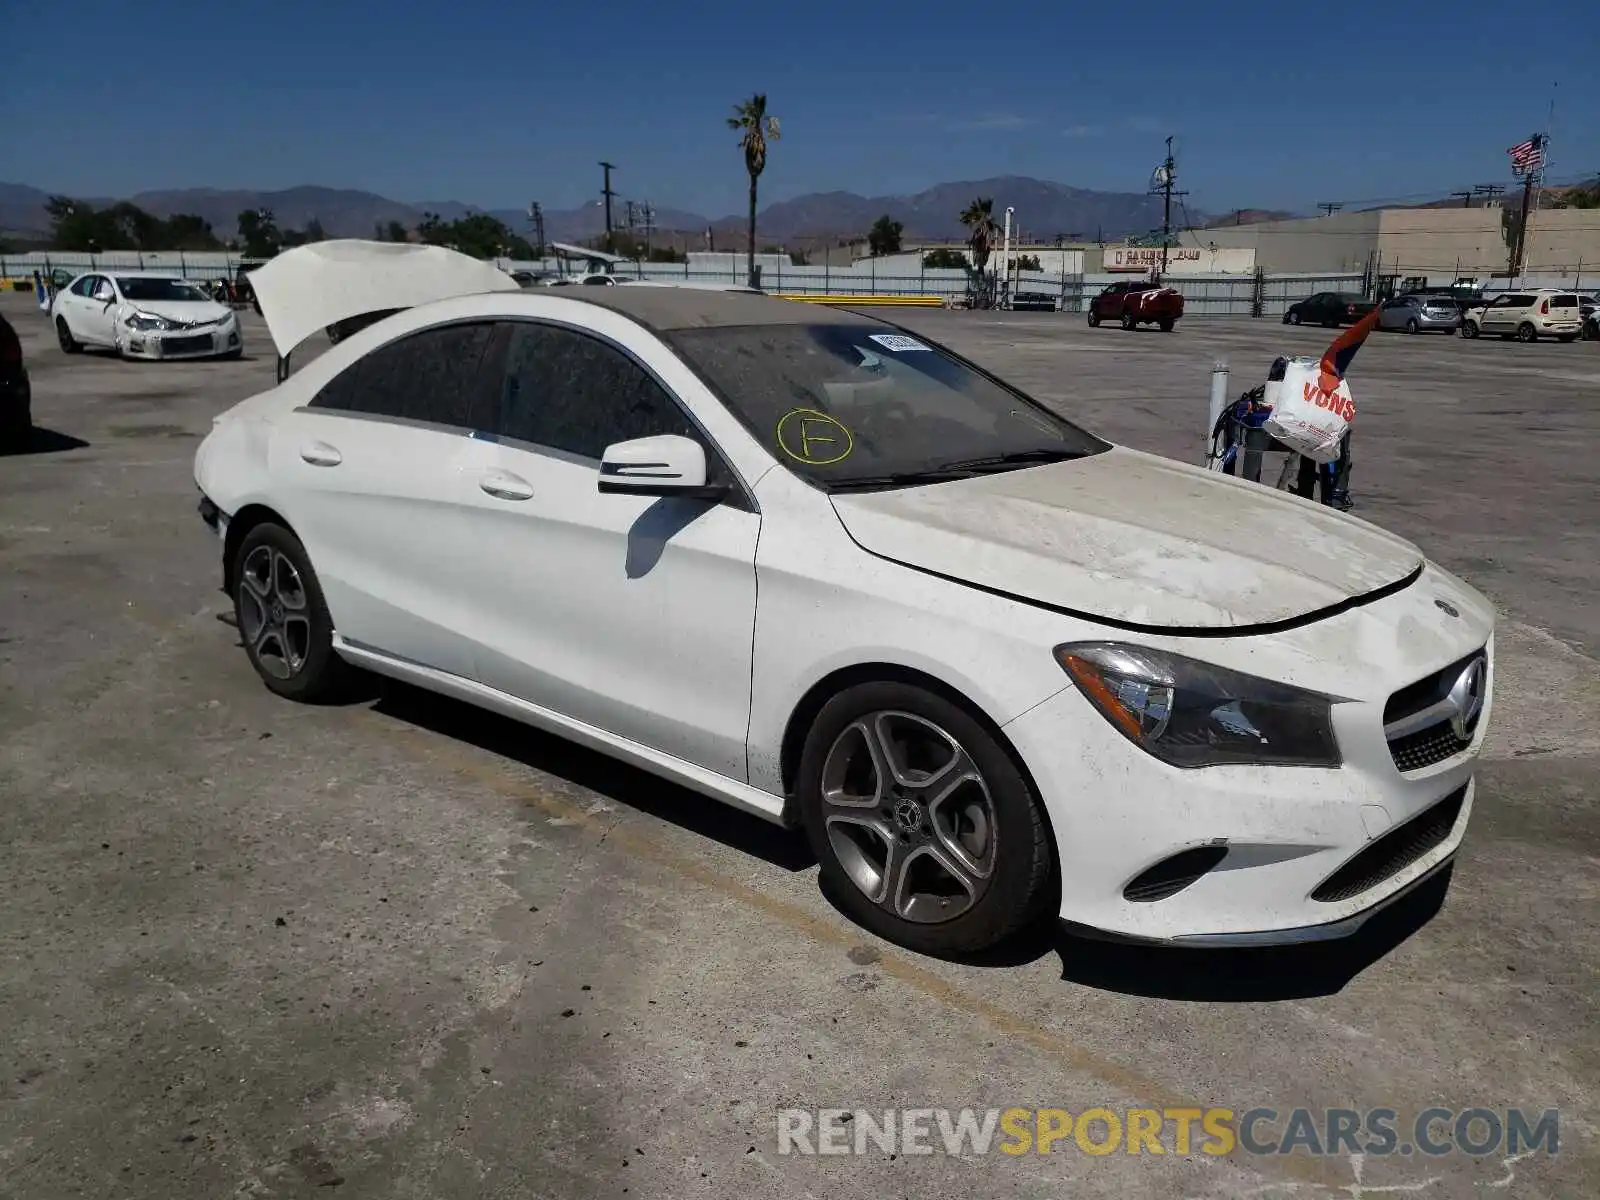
{"x":144,"y":288}
{"x":860,"y":405}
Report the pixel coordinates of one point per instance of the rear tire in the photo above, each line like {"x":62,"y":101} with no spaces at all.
{"x":283,"y":619}
{"x":1128,"y":320}
{"x":1527,"y":333}
{"x":981,"y":850}
{"x":69,"y":344}
{"x":1293,"y":318}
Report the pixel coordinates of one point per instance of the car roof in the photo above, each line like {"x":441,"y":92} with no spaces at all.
{"x":670,"y":308}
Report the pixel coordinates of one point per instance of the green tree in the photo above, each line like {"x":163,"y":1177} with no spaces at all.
{"x":981,"y":230}
{"x":945,"y":259}
{"x":395,"y":232}
{"x":756,"y":128}
{"x":884,"y":236}
{"x":259,"y":233}
{"x":1027,"y":262}
{"x":314,"y":231}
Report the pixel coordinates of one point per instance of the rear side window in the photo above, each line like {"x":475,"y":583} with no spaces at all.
{"x":431,"y":376}
{"x":1563,"y":302}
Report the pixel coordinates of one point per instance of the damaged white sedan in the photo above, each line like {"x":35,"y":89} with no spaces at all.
{"x":828,"y":572}
{"x":144,"y":314}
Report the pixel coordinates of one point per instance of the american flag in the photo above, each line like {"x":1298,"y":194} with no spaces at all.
{"x":1527,"y":156}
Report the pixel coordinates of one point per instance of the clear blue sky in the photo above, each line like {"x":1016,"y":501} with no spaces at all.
{"x":494,"y":102}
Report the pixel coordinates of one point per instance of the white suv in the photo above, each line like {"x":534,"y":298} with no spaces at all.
{"x":1526,"y":316}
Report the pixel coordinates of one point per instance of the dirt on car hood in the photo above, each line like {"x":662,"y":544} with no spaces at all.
{"x":1135,"y":539}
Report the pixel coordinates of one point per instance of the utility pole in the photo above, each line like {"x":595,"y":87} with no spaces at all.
{"x":536,"y":216}
{"x":608,"y":194}
{"x":1329,"y":209}
{"x":1166,"y":176}
{"x":1532,"y":171}
{"x":1466,"y":198}
{"x":649,"y":225}
{"x":1489,"y":191}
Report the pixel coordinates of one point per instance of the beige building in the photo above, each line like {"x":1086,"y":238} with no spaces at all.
{"x":1441,"y":243}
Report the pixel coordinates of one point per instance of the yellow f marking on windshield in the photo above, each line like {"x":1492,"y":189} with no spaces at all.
{"x":813,"y":437}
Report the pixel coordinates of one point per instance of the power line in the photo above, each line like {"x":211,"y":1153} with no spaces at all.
{"x":1329,"y":208}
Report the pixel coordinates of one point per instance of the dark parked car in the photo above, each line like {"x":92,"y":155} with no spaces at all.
{"x":1135,"y":304}
{"x":1328,"y":308}
{"x":1033,"y":302}
{"x":16,"y":393}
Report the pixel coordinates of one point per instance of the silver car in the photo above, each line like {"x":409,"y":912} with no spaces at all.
{"x":1418,"y":314}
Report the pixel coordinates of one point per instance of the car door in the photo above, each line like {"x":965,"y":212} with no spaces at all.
{"x":1392,"y":314}
{"x":100,"y":313}
{"x":1501,"y":315}
{"x":632,"y":614}
{"x":380,"y":476}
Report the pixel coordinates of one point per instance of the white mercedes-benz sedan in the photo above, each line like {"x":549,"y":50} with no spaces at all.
{"x":819,"y":568}
{"x":144,"y":314}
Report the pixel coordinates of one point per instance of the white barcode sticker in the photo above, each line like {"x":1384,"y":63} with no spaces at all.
{"x":896,"y":341}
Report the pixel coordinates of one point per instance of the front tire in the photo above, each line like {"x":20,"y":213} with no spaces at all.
{"x":1412,"y":326}
{"x":69,"y":344}
{"x":927,"y":832}
{"x":1168,"y":324}
{"x":283,"y":619}
{"x":1469,"y":329}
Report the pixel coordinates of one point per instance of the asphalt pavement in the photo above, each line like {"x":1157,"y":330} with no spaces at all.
{"x":403,"y":949}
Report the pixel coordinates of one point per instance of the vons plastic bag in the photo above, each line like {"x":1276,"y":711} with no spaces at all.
{"x":1306,"y":416}
{"x":1313,"y":408}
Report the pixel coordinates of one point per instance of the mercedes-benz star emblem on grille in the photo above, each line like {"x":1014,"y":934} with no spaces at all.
{"x":1467,"y":695}
{"x":1449,"y":608}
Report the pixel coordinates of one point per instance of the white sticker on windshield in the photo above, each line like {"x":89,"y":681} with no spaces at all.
{"x":896,"y":341}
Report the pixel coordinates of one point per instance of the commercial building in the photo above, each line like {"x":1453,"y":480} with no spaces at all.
{"x":1440,"y":243}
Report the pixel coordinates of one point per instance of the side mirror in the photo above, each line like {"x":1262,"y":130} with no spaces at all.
{"x":664,"y":465}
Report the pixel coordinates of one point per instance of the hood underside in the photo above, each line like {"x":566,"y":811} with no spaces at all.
{"x":1135,"y":540}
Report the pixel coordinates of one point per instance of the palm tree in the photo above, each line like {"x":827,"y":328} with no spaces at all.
{"x":981,"y":230}
{"x":756,"y":129}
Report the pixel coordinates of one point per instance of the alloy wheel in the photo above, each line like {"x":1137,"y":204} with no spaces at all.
{"x":909,"y":816}
{"x":274,"y":615}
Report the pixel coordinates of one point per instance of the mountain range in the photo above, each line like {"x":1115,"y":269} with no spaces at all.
{"x":1044,"y":210}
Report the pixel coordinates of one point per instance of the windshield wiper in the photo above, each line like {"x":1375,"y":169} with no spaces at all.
{"x":1017,"y":458}
{"x":891,"y":479}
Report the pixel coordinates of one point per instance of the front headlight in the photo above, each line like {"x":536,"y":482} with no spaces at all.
{"x":1193,"y":714}
{"x":145,"y":322}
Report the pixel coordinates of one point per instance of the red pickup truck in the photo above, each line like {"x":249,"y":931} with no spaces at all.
{"x":1135,"y":304}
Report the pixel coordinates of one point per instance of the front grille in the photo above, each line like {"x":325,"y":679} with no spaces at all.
{"x":185,"y":345}
{"x":1417,"y":741}
{"x":1171,"y":875}
{"x":1394,"y":851}
{"x":1427,"y":746}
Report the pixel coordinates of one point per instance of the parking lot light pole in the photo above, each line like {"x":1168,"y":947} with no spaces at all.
{"x":1005,"y":258}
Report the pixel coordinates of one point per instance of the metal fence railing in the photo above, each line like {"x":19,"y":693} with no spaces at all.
{"x":1253,"y":295}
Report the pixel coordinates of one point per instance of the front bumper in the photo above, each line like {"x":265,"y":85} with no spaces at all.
{"x":1250,"y":855}
{"x":182,"y":343}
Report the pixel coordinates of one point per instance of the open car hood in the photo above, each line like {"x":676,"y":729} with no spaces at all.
{"x":1135,"y":540}
{"x":311,"y":287}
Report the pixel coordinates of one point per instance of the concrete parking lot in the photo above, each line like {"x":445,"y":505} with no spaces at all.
{"x":404,"y":949}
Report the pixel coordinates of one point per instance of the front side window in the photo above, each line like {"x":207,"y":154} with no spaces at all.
{"x":84,"y":287}
{"x":430,"y":376}
{"x":866,"y":405}
{"x":568,"y":391}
